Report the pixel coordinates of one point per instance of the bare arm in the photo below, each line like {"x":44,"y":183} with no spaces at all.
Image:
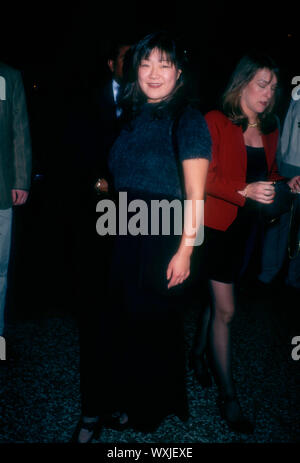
{"x":195,"y":172}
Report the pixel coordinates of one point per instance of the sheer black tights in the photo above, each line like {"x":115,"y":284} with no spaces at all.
{"x":213,"y":331}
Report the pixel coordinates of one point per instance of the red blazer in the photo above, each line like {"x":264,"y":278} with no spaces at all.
{"x":227,"y":170}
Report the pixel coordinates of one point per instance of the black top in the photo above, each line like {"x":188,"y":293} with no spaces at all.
{"x":257,"y":167}
{"x":257,"y":170}
{"x":143,"y":158}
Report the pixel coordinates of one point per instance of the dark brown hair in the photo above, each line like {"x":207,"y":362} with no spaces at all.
{"x":244,"y":72}
{"x":133,"y":97}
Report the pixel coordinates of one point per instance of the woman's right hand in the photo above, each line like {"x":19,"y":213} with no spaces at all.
{"x":263,"y":192}
{"x":178,"y":269}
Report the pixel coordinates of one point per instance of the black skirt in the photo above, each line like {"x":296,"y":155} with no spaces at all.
{"x":225,"y":253}
{"x":143,"y":361}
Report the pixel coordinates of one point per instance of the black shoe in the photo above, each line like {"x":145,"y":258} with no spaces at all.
{"x":198,"y":363}
{"x":113,"y":421}
{"x":239,"y":423}
{"x":95,"y":427}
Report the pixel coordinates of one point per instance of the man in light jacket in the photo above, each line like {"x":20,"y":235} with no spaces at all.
{"x":15,"y":164}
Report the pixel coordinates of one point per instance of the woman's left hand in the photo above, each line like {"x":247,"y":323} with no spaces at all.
{"x":294,"y":184}
{"x":178,"y":269}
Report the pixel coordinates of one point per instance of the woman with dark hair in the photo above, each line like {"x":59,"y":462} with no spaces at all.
{"x":242,"y":172}
{"x":142,"y":357}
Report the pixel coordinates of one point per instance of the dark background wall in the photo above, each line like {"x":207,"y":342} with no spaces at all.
{"x":61,"y":51}
{"x":61,"y":48}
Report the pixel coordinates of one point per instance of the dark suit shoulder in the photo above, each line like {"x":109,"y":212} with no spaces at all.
{"x":102,"y":104}
{"x":103,"y":96}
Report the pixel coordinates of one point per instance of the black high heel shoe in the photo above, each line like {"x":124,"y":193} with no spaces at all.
{"x":199,"y":364}
{"x":114,"y":421}
{"x":240,"y":423}
{"x":95,"y":427}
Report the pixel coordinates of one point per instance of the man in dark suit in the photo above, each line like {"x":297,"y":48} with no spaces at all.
{"x":90,"y":139}
{"x":89,"y":135}
{"x":15,"y":164}
{"x":107,"y":111}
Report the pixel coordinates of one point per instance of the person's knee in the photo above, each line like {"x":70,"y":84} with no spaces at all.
{"x":225,"y":314}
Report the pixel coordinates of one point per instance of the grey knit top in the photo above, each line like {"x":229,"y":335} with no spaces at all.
{"x":143,"y":158}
